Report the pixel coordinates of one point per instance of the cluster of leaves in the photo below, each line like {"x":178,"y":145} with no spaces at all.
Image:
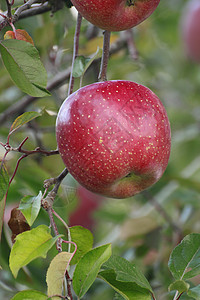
{"x":123,"y":276}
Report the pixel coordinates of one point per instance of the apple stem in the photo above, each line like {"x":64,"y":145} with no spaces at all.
{"x":130,"y":2}
{"x":75,"y":52}
{"x":105,"y":56}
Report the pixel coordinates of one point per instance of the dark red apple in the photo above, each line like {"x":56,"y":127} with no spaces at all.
{"x":190,"y":24}
{"x":87,"y":204}
{"x":115,"y":15}
{"x":114,"y":137}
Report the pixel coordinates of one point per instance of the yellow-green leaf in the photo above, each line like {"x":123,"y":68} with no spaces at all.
{"x":29,"y":245}
{"x":30,"y":295}
{"x":23,"y":119}
{"x":56,"y":273}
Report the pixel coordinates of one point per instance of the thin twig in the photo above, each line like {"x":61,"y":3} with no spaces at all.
{"x":22,"y":8}
{"x":105,"y":56}
{"x":13,"y":18}
{"x":9,"y":6}
{"x":55,"y":229}
{"x":19,"y":149}
{"x":66,"y":226}
{"x":48,"y":201}
{"x":179,"y":296}
{"x":38,"y":150}
{"x":75,"y":52}
{"x":34,"y":11}
{"x":69,"y":283}
{"x":59,"y":179}
{"x":162,"y":212}
{"x":153,"y":296}
{"x":131,"y":44}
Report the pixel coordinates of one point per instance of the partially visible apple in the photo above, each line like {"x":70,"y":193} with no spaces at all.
{"x":115,"y":15}
{"x":190,"y":25}
{"x":88,"y":203}
{"x":114,"y":137}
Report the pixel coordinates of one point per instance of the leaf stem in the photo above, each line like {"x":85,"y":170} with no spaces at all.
{"x":69,"y":282}
{"x":68,"y":279}
{"x":66,"y":226}
{"x":176,"y":296}
{"x":105,"y":56}
{"x":75,"y":52}
{"x":55,"y":229}
{"x":153,"y":296}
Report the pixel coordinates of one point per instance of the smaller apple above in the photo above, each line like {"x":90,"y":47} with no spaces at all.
{"x":115,"y":15}
{"x":114,"y":137}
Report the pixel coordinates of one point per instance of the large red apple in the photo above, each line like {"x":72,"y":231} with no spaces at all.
{"x":191,"y":29}
{"x":87,"y":204}
{"x":114,"y":137}
{"x":115,"y":15}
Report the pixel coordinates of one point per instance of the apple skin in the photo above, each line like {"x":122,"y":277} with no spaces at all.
{"x":115,"y":15}
{"x":114,"y":137}
{"x":88,"y":203}
{"x":190,"y":27}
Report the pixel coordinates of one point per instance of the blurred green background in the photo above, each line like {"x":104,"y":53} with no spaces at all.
{"x":143,"y":229}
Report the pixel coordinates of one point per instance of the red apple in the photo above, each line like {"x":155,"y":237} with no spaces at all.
{"x":114,"y":137}
{"x":88,"y":203}
{"x":190,"y":24}
{"x":115,"y":15}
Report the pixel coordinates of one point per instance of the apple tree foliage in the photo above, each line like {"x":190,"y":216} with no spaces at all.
{"x":144,"y":247}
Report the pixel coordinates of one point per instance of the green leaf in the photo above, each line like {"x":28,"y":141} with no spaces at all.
{"x":23,"y":63}
{"x":195,"y":292}
{"x":56,"y":273}
{"x":30,"y":295}
{"x":29,"y":245}
{"x":23,"y":119}
{"x":79,"y":66}
{"x":82,"y":63}
{"x":129,"y":290}
{"x":30,"y":207}
{"x":83,"y":238}
{"x":89,"y":61}
{"x":184,"y":260}
{"x":4,"y":182}
{"x":88,"y":267}
{"x":180,"y":285}
{"x":127,"y":272}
